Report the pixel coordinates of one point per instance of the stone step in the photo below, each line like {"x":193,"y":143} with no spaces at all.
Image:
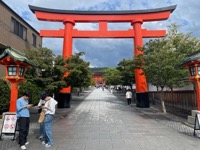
{"x":191,"y":120}
{"x":190,"y":125}
{"x":194,"y":112}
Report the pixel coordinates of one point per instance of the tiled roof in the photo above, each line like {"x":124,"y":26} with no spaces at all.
{"x":98,"y":74}
{"x":16,"y":55}
{"x":124,"y":12}
{"x":192,"y":57}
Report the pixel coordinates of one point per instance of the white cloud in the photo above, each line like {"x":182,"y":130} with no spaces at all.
{"x":108,"y":52}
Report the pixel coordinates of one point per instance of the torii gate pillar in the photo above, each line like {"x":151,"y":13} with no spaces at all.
{"x":140,"y":79}
{"x":65,"y":93}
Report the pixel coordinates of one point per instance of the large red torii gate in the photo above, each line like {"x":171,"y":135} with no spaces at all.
{"x":135,"y":17}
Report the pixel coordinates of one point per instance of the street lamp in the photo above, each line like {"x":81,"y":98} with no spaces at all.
{"x":192,"y":71}
{"x":12,"y":70}
{"x":16,"y":64}
{"x":21,"y":71}
{"x":15,"y":71}
{"x":193,"y":65}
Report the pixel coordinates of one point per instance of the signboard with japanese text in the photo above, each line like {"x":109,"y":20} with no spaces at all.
{"x":197,"y":123}
{"x":9,"y":124}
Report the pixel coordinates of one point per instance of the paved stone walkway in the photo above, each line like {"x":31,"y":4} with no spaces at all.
{"x":104,"y":122}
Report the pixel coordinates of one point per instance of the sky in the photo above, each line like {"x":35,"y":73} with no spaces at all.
{"x":108,"y":52}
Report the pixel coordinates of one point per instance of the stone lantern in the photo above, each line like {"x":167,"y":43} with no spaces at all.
{"x":16,"y":64}
{"x":193,"y":65}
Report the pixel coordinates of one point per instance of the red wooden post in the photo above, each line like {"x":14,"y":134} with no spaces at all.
{"x":67,"y":44}
{"x":141,"y":84}
{"x":198,"y":95}
{"x":13,"y":96}
{"x":67,"y":47}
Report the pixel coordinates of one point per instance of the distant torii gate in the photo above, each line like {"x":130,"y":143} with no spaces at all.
{"x":135,"y":17}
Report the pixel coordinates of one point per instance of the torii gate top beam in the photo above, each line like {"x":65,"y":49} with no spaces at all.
{"x":102,"y":17}
{"x":56,"y":15}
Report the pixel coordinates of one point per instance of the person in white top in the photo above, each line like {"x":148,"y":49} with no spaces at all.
{"x":129,"y":96}
{"x":50,"y":108}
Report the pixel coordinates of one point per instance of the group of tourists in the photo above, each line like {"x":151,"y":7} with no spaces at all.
{"x":48,"y":106}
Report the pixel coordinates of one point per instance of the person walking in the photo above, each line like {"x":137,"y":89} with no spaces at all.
{"x":129,"y":96}
{"x":49,"y":108}
{"x":23,"y":118}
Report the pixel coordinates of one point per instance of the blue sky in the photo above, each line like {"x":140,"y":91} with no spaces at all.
{"x":108,"y":52}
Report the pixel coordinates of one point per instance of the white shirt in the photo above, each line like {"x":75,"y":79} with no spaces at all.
{"x":41,"y":102}
{"x":51,"y":106}
{"x":128,"y":94}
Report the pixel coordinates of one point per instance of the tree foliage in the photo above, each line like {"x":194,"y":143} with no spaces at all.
{"x":4,"y":96}
{"x":79,"y":72}
{"x":126,"y":69}
{"x":161,"y":57}
{"x":48,"y":75}
{"x":112,"y":76}
{"x":33,"y":88}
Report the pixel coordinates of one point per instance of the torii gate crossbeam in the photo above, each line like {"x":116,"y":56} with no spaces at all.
{"x":102,"y":33}
{"x":134,"y":17}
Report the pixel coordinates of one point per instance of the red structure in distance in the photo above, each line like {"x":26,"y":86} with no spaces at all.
{"x":98,"y":79}
{"x":134,"y":17}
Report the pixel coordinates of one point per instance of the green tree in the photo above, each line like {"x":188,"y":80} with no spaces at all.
{"x":126,"y":69}
{"x":112,"y":76}
{"x":79,"y":72}
{"x":49,"y":73}
{"x":33,"y":88}
{"x":161,"y":57}
{"x":4,"y":96}
{"x":42,"y":74}
{"x":181,"y":45}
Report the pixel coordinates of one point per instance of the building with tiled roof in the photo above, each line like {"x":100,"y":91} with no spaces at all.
{"x":98,"y":79}
{"x":16,"y":32}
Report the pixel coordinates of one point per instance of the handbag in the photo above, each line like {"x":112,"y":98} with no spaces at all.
{"x":39,"y":110}
{"x":42,"y":116}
